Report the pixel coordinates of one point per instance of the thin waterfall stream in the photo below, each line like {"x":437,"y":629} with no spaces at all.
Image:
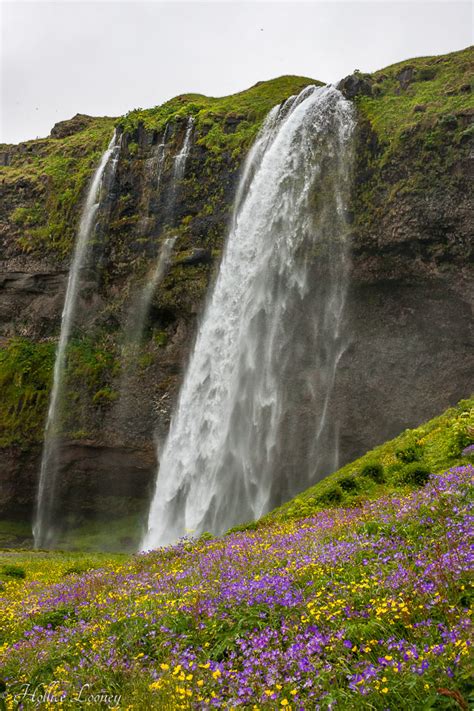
{"x":252,"y":425}
{"x":44,"y":528}
{"x":140,"y":307}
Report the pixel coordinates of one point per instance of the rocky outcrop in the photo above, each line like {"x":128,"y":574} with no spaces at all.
{"x":408,"y":311}
{"x":355,"y":85}
{"x":74,"y":125}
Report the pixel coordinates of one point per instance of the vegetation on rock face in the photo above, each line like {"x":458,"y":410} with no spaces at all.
{"x":228,"y":123}
{"x":25,"y":376}
{"x":48,"y":178}
{"x":26,"y":371}
{"x":414,"y":135}
{"x":428,"y":92}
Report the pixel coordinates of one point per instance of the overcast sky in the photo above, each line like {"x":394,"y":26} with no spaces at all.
{"x":105,"y":58}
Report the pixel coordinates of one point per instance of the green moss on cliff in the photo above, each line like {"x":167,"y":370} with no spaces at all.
{"x":26,"y":371}
{"x":228,"y":123}
{"x":49,"y":177}
{"x":412,"y":159}
{"x":25,"y":377}
{"x":419,"y":92}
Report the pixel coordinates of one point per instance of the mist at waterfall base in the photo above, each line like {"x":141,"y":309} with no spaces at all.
{"x":252,"y":426}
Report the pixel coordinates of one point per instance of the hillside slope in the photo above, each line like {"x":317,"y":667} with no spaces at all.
{"x":362,"y":607}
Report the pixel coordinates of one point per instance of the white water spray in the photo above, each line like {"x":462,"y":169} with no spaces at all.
{"x":252,"y":427}
{"x":179,"y":165}
{"x":136,"y":322}
{"x":44,"y":529}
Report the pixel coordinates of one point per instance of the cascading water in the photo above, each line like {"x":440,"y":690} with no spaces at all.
{"x":141,"y":304}
{"x":182,"y":156}
{"x":135,"y":327}
{"x":140,"y":310}
{"x":153,"y":173}
{"x":179,"y":165}
{"x":253,"y":424}
{"x":44,"y":528}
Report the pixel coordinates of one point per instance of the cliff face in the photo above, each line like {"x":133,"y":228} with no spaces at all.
{"x":408,"y":311}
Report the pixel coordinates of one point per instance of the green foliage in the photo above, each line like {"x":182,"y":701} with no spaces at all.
{"x":413,"y":137}
{"x":91,"y":362}
{"x":13,"y":571}
{"x":206,"y":536}
{"x":412,"y":453}
{"x":437,"y":84}
{"x":373,"y":470}
{"x":80,"y":568}
{"x":26,"y":371}
{"x":461,"y":434}
{"x":25,"y":378}
{"x":104,"y":396}
{"x":333,"y":495}
{"x":348,"y":483}
{"x":160,"y":338}
{"x":56,"y":618}
{"x":229,"y":123}
{"x":415,"y":474}
{"x":57,"y":171}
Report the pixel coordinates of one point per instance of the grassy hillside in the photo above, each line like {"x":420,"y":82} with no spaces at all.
{"x":392,"y":468}
{"x":351,"y":608}
{"x":47,"y":178}
{"x":364,"y":606}
{"x":419,"y":92}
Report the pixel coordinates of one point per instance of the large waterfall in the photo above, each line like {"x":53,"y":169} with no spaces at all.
{"x":44,"y":529}
{"x":253,"y":425}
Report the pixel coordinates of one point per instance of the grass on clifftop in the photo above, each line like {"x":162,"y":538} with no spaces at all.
{"x":52,"y":174}
{"x":421,"y":92}
{"x":214,"y":116}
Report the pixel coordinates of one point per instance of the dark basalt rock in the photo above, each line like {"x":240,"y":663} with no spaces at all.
{"x":405,"y":77}
{"x":74,"y":125}
{"x":355,"y":85}
{"x":197,"y":256}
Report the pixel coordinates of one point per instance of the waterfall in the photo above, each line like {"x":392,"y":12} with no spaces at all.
{"x":179,"y":165}
{"x":161,"y":153}
{"x":182,"y":156}
{"x":135,"y":327}
{"x":140,"y":306}
{"x":252,"y":425}
{"x":44,"y":529}
{"x":153,"y":173}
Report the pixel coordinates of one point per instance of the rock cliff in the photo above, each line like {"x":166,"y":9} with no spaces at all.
{"x":408,"y":312}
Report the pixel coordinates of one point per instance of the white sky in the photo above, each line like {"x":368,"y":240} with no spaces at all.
{"x":105,"y":58}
